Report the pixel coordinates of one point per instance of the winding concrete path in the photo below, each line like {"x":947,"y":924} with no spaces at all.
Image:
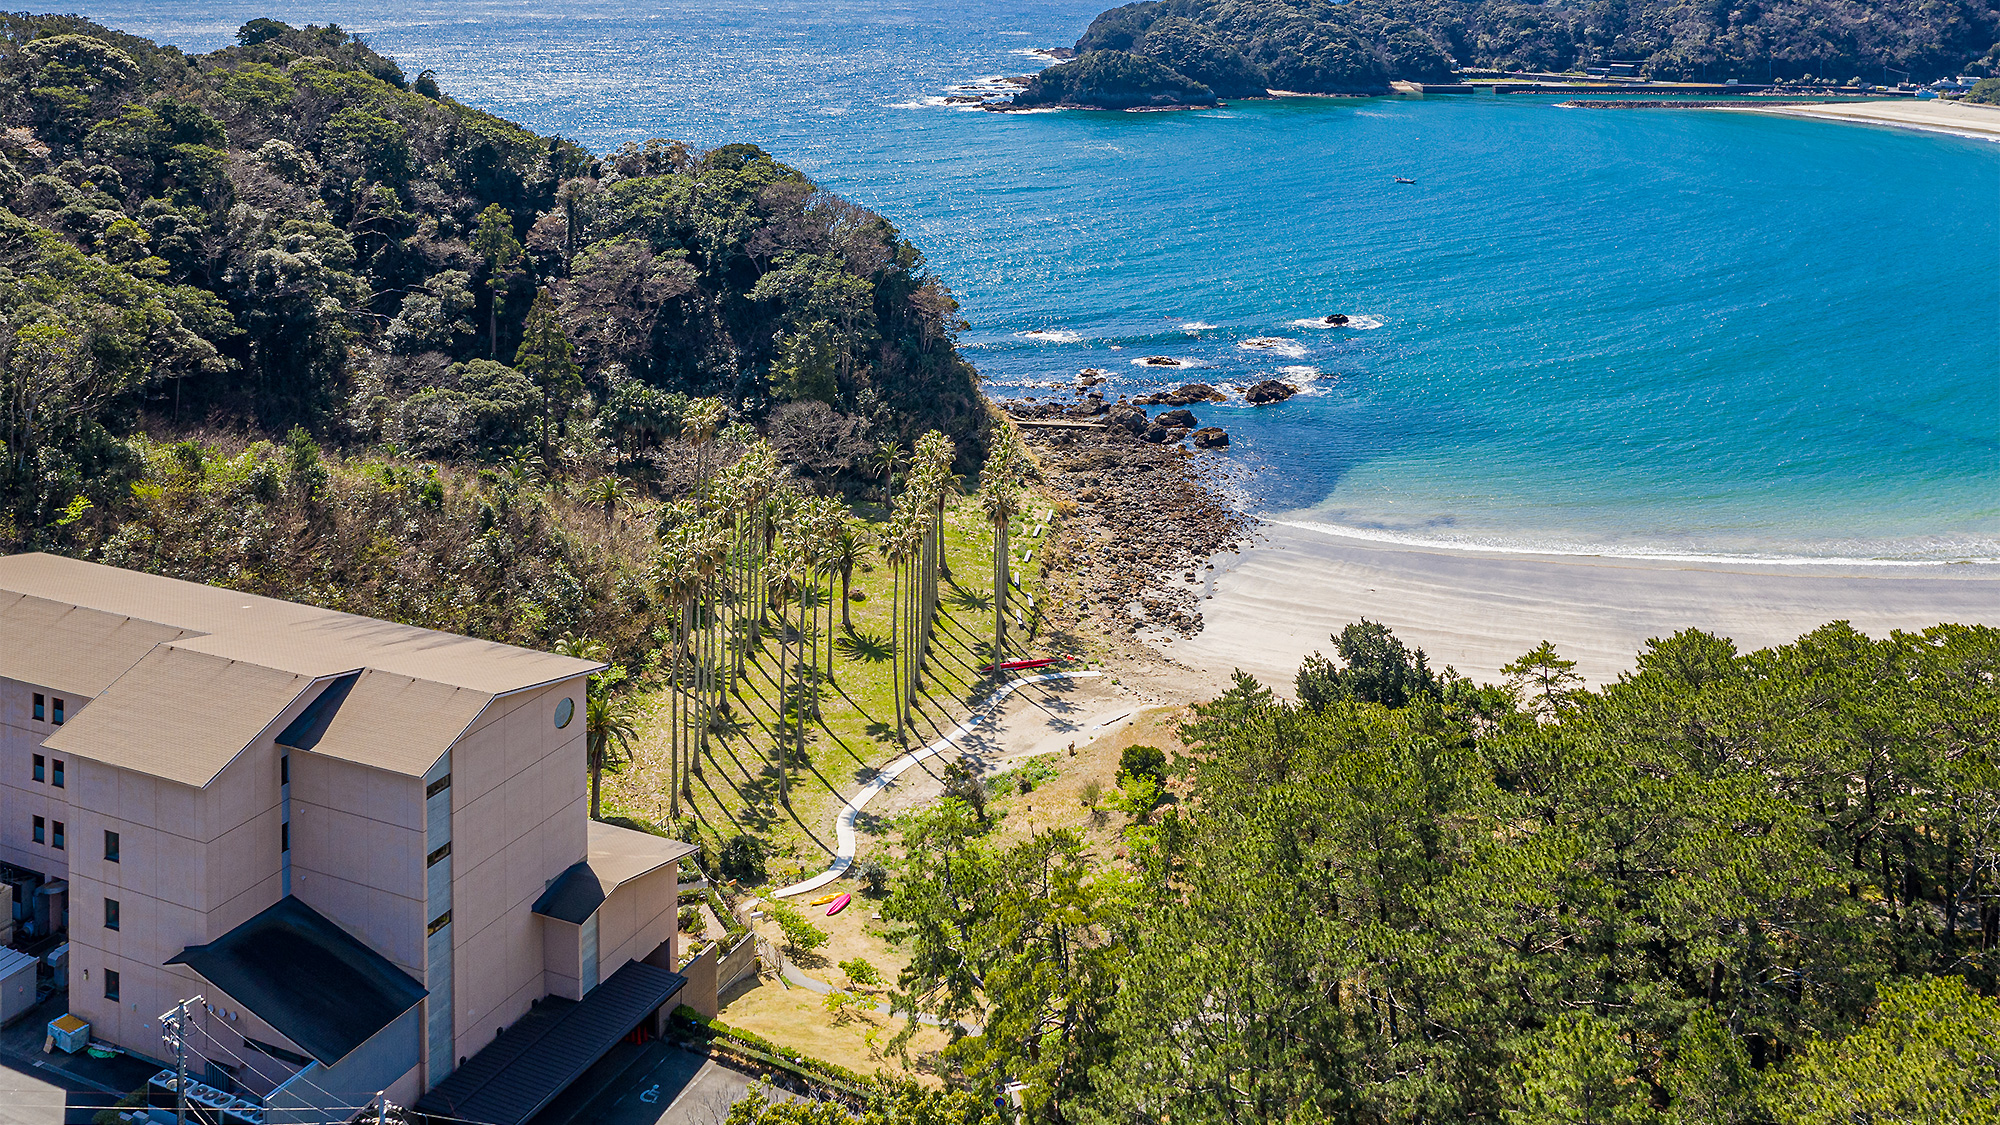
{"x":843,"y":824}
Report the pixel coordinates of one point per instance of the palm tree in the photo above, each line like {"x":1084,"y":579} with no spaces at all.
{"x":609,"y":493}
{"x":1000,"y":500}
{"x":609,"y":730}
{"x":887,"y":458}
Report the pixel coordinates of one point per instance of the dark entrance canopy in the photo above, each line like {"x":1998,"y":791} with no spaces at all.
{"x":536,"y":1059}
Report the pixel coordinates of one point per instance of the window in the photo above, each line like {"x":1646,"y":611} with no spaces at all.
{"x":439,"y":923}
{"x":59,"y":712}
{"x":284,"y":769}
{"x":41,"y":765}
{"x":111,"y":984}
{"x":56,"y":841}
{"x":110,"y":913}
{"x":439,"y":854}
{"x":38,"y":707}
{"x":58,"y":782}
{"x":436,"y":787}
{"x":285,"y":836}
{"x":41,"y":827}
{"x":110,"y":846}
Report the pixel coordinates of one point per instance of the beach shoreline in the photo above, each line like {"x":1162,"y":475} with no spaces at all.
{"x":1958,"y":119}
{"x":1266,"y":606}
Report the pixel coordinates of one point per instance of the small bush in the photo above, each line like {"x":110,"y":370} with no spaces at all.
{"x":801,"y":936}
{"x":860,"y":973}
{"x":1149,"y":762}
{"x":691,"y":921}
{"x":873,"y":875}
{"x":1093,"y":791}
{"x":742,"y":859}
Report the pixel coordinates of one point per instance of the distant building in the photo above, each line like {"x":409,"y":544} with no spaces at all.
{"x":365,"y":845}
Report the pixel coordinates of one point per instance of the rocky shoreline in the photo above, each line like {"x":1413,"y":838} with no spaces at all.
{"x":1148,"y":514}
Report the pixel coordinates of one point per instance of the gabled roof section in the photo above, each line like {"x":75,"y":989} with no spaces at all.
{"x":285,"y":635}
{"x":391,"y":722}
{"x":180,"y":715}
{"x":617,"y":856}
{"x":305,"y":731}
{"x":69,"y":648}
{"x":306,"y":977}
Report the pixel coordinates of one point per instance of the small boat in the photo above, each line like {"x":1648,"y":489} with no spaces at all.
{"x":1404,"y":180}
{"x":1019,"y":665}
{"x":839,"y":904}
{"x":824,"y":899}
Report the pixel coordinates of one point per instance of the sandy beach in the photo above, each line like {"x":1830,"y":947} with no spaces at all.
{"x":1280,"y":599}
{"x":1959,"y":118}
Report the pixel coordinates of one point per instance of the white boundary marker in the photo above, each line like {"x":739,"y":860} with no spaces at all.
{"x":843,"y":824}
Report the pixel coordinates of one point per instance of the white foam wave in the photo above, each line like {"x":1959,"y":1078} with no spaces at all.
{"x":1276,"y":344}
{"x":1303,"y":374}
{"x":1612,"y":551}
{"x":1052,"y":335}
{"x":1197,"y":326}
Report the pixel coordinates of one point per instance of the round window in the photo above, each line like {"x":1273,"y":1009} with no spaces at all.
{"x":565,"y":711}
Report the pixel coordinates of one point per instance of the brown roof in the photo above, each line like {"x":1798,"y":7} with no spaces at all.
{"x":186,"y":676}
{"x":179,"y":715}
{"x":287,"y":635}
{"x":620,"y":855}
{"x":69,"y":649}
{"x":399,"y":724}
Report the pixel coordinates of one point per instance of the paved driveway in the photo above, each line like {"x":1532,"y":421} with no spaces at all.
{"x":669,"y":1085}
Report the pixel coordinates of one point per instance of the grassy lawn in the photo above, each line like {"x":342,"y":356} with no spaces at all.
{"x":737,"y":787}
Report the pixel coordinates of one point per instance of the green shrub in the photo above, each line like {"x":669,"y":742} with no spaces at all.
{"x":742,"y":859}
{"x":860,"y":972}
{"x":1148,"y":762}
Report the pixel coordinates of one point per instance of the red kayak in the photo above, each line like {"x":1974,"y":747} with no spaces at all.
{"x":1021,"y":665}
{"x":839,"y":905}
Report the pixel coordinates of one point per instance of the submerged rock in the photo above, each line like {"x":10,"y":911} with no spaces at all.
{"x":1334,"y":318}
{"x":1161,"y":361}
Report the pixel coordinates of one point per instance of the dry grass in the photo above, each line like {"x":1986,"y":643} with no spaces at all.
{"x":797,"y":1018}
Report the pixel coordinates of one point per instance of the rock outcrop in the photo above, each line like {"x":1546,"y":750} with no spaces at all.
{"x":1270,"y":390}
{"x":1211,"y":437}
{"x":1186,"y":395}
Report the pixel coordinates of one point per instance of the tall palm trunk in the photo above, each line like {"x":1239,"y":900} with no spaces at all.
{"x":999,"y":593}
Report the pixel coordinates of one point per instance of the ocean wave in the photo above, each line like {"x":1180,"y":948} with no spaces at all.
{"x":1940,"y":554}
{"x":1052,"y":335}
{"x":1359,"y":321}
{"x":1197,"y":326}
{"x":1181,"y":363}
{"x":1277,"y":345}
{"x":1300,"y":374}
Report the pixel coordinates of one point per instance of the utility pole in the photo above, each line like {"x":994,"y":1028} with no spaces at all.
{"x":173,"y":1029}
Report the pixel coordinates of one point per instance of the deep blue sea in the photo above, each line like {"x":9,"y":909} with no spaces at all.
{"x":1635,"y":332}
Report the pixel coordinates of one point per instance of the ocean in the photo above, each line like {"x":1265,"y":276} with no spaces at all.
{"x":1635,"y":332}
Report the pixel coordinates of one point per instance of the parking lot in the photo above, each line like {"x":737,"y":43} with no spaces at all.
{"x":668,"y":1085}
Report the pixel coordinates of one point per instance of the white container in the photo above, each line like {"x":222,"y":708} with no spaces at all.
{"x":17,"y":984}
{"x":70,"y":1033}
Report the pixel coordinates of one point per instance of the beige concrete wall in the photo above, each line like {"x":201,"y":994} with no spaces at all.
{"x":21,"y":797}
{"x":519,"y":817}
{"x":636,"y":919}
{"x":562,"y":959}
{"x":358,"y":853}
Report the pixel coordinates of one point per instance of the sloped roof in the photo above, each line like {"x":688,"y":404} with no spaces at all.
{"x":285,"y":635}
{"x":617,"y":855}
{"x":181,"y":671}
{"x":309,"y":979}
{"x":179,"y":715}
{"x":69,"y":648}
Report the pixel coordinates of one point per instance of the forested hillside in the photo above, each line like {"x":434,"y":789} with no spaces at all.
{"x":290,"y":232}
{"x":1241,"y":47}
{"x":1729,"y":888}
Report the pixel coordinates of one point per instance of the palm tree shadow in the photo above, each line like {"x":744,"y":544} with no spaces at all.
{"x":862,"y":646}
{"x":969,"y":599}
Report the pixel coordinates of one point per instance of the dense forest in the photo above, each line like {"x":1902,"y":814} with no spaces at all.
{"x":1729,"y":887}
{"x":288,"y":243}
{"x":1239,"y":48}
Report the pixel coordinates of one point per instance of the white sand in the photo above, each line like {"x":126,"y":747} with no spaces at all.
{"x":1283,"y":597}
{"x":1961,"y":118}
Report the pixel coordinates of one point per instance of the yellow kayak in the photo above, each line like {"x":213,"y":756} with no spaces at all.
{"x":824,"y":899}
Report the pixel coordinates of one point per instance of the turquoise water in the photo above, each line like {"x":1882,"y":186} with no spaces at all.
{"x":1641,"y":332}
